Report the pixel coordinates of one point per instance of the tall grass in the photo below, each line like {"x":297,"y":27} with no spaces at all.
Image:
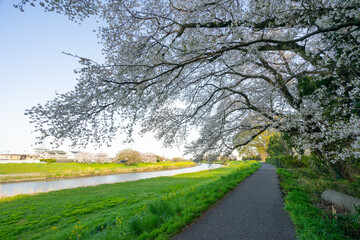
{"x":302,"y":189}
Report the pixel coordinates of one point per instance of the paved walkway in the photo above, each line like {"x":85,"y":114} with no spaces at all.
{"x":253,"y":211}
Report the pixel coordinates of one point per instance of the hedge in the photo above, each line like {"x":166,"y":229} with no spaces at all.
{"x":48,"y":160}
{"x":289,"y":161}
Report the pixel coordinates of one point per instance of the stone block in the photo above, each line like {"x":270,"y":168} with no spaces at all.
{"x":341,"y":200}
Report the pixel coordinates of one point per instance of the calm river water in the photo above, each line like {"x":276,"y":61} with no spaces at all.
{"x":12,"y":189}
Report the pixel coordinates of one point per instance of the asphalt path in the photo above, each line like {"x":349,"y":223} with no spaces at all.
{"x":252,"y":211}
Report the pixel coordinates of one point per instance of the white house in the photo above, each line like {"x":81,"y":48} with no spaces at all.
{"x":59,"y":155}
{"x":72,"y":154}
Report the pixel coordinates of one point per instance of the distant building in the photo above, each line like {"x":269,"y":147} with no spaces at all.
{"x":40,"y":150}
{"x":72,"y":154}
{"x":32,"y":156}
{"x":19,"y":156}
{"x":59,"y":155}
{"x":12,"y":156}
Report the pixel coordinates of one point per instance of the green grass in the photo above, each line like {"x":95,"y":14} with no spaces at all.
{"x":28,"y":171}
{"x":146,"y":209}
{"x":302,"y":189}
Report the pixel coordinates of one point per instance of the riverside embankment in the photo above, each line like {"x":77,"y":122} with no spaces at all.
{"x":13,"y":189}
{"x":22,"y":172}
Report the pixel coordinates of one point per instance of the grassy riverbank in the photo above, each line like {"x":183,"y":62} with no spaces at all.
{"x":12,"y":172}
{"x":145,"y":209}
{"x":314,"y":218}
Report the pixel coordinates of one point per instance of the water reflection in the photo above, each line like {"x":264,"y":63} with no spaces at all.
{"x":12,"y":189}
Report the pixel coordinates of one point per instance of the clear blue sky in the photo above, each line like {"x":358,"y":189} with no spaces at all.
{"x":33,"y":68}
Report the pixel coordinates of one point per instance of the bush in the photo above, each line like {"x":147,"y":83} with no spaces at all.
{"x":289,"y":161}
{"x":257,"y":158}
{"x":48,"y":160}
{"x":306,"y":160}
{"x":160,"y":158}
{"x":272,"y":161}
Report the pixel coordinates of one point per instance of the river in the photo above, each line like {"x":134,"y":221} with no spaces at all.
{"x":13,"y":189}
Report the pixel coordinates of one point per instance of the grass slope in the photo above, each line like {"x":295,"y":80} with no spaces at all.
{"x":302,"y":189}
{"x":28,"y":171}
{"x":146,"y":209}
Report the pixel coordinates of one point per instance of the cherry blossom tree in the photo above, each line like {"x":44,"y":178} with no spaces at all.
{"x":174,"y":66}
{"x":129,"y":156}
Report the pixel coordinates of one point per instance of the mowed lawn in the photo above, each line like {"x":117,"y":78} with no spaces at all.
{"x":146,"y":209}
{"x":26,"y":171}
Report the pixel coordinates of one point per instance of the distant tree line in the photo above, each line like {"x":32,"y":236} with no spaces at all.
{"x":130,"y":156}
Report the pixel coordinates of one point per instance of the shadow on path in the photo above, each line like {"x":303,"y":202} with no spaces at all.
{"x":254,"y":210}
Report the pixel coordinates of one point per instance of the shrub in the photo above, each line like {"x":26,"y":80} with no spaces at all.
{"x":289,"y":161}
{"x":48,"y":160}
{"x":257,"y":158}
{"x":272,"y":161}
{"x":159,"y":158}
